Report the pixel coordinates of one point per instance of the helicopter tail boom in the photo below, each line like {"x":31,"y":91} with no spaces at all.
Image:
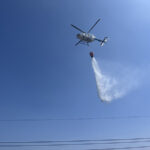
{"x":102,"y":42}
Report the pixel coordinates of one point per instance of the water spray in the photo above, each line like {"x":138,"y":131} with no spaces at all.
{"x":110,"y":88}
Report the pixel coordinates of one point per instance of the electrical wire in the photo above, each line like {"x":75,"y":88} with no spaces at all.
{"x":121,"y":148}
{"x":81,"y":140}
{"x":74,"y":119}
{"x":74,"y":142}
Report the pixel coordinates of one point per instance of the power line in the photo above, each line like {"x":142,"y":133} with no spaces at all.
{"x":120,"y":148}
{"x":116,"y":148}
{"x":81,"y":140}
{"x":74,"y":119}
{"x":74,"y":142}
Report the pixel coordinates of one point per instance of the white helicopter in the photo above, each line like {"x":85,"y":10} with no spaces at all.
{"x":87,"y":37}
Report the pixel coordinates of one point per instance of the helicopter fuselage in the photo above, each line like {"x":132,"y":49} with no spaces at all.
{"x":87,"y":37}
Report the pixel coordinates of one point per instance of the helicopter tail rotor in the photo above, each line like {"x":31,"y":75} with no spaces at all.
{"x":104,"y":41}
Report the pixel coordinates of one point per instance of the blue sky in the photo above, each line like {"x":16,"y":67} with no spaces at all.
{"x":43,"y":75}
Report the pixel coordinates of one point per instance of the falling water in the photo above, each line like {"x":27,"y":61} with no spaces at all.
{"x":110,"y":88}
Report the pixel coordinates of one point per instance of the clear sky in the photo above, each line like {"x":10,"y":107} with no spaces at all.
{"x":43,"y":75}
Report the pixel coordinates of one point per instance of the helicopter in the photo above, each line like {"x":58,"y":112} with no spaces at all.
{"x":87,"y":37}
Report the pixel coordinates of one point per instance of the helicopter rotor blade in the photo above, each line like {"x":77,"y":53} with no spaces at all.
{"x":77,"y":28}
{"x":93,"y":25}
{"x":78,"y":43}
